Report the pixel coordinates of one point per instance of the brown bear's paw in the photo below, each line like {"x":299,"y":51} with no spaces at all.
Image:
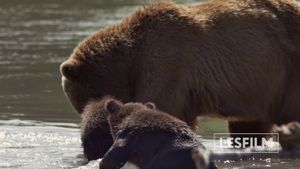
{"x":289,"y":135}
{"x":202,"y":159}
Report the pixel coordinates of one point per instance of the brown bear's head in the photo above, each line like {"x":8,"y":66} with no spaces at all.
{"x":97,"y":67}
{"x":118,"y":111}
{"x":111,"y":61}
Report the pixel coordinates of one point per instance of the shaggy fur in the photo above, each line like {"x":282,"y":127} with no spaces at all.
{"x":149,"y":138}
{"x":233,"y":59}
{"x":138,"y":119}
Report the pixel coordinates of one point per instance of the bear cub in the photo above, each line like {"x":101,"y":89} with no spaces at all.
{"x":149,"y":138}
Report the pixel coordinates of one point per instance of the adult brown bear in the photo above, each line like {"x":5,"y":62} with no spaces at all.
{"x":234,"y":59}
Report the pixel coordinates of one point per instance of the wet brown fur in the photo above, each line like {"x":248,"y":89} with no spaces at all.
{"x":95,"y":131}
{"x":149,"y":138}
{"x":137,"y":118}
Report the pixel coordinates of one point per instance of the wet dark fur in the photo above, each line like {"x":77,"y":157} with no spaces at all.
{"x":95,"y":132}
{"x":149,"y":139}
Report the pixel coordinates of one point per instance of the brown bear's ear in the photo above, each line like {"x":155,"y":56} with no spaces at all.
{"x":112,"y":106}
{"x":69,"y":70}
{"x":150,"y":105}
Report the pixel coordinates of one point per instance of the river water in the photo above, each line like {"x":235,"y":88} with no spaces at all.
{"x":38,"y":127}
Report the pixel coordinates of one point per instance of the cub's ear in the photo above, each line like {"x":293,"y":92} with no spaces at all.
{"x":112,"y":106}
{"x":150,"y":105}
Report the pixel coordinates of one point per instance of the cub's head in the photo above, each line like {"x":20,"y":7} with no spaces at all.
{"x":95,"y":132}
{"x":100,"y":119}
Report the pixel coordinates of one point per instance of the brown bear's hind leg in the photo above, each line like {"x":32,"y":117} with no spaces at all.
{"x":249,"y":127}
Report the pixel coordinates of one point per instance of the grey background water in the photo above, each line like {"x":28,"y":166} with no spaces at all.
{"x":38,"y":127}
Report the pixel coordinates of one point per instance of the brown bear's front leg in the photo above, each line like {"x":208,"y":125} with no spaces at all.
{"x":249,"y":127}
{"x":117,"y":155}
